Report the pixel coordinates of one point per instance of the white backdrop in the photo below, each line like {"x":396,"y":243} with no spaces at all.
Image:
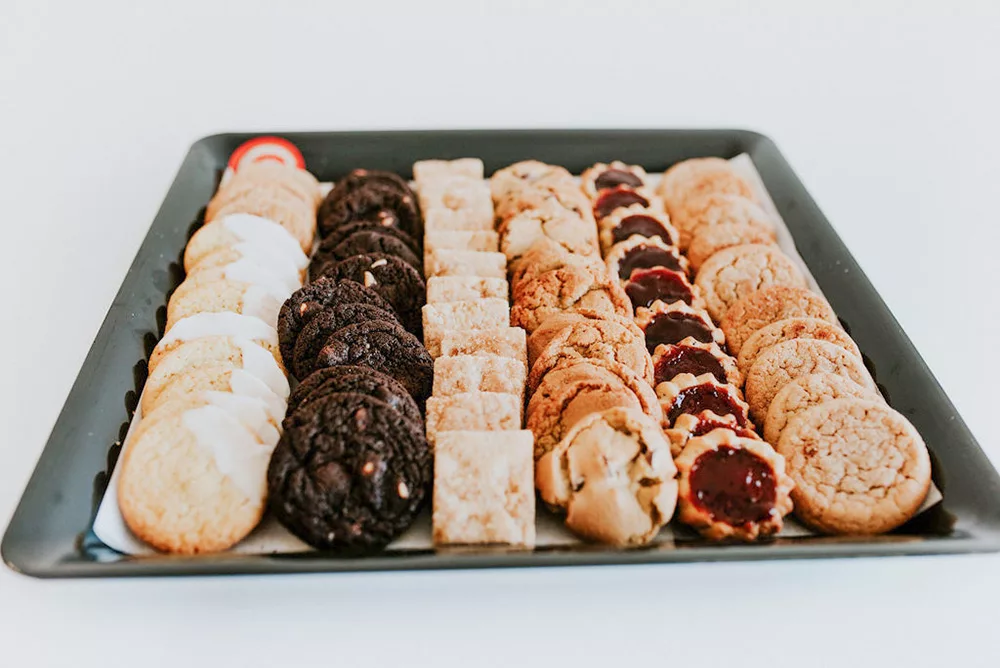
{"x":890,"y":114}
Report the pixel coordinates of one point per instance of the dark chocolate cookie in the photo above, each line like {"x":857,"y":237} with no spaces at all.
{"x":383,"y":346}
{"x":373,"y":196}
{"x":367,"y":241}
{"x":358,"y":380}
{"x":397,"y":282}
{"x":341,"y":233}
{"x":307,"y":301}
{"x":313,"y":336}
{"x":349,"y":473}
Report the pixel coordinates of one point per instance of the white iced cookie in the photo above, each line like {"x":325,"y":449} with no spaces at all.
{"x":217,"y":377}
{"x":248,"y":233}
{"x":203,"y":325}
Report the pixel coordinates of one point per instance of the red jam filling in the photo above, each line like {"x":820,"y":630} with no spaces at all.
{"x":734,"y":486}
{"x":645,"y":286}
{"x":706,"y":424}
{"x":706,"y":397}
{"x":620,"y":196}
{"x":688,"y":359}
{"x":644,"y":226}
{"x":674,"y":327}
{"x":617,"y":177}
{"x":644,"y":257}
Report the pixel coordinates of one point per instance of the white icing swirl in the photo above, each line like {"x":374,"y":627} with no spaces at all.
{"x":237,"y":452}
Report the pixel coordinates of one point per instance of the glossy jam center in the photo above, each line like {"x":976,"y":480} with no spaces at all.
{"x":644,"y":257}
{"x":706,"y":425}
{"x":615,"y":198}
{"x":647,"y":285}
{"x":617,"y":177}
{"x":673,"y":328}
{"x":700,"y":398}
{"x":733,"y":485}
{"x":688,"y":359}
{"x":644,"y":226}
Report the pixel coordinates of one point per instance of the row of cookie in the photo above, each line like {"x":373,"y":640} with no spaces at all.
{"x":483,"y":490}
{"x":856,"y":465}
{"x":591,"y":409}
{"x":193,"y":472}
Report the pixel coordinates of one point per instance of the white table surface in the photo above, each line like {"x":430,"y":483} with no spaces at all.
{"x":891,"y":118}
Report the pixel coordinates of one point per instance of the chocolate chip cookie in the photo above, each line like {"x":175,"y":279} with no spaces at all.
{"x":355,"y":380}
{"x":314,"y":335}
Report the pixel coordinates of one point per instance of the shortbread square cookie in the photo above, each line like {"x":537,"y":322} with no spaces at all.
{"x":465,"y":263}
{"x":465,"y":288}
{"x":480,"y":314}
{"x":484,"y":488}
{"x":460,"y":220}
{"x":469,"y":240}
{"x":458,"y":194}
{"x":439,"y":170}
{"x":506,"y":342}
{"x":475,"y":411}
{"x":455,"y":374}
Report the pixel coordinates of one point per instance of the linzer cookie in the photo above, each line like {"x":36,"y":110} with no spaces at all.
{"x":667,"y":324}
{"x":695,"y":394}
{"x":735,"y":272}
{"x":696,"y":358}
{"x":600,"y":177}
{"x":643,"y":253}
{"x":688,"y":426}
{"x":622,"y":197}
{"x":635,"y":221}
{"x":645,"y":287}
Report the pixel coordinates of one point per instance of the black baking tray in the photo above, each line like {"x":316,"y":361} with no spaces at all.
{"x":50,"y":533}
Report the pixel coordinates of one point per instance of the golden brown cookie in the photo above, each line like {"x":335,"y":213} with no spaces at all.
{"x":520,"y":233}
{"x":784,"y":362}
{"x":696,"y":358}
{"x":789,"y":329}
{"x":568,"y":289}
{"x":710,"y":239}
{"x":768,"y":305}
{"x":296,"y":180}
{"x":635,"y":221}
{"x":691,"y":179}
{"x":613,"y":477}
{"x":521,"y":175}
{"x":732,"y":487}
{"x":691,"y":394}
{"x":805,"y":392}
{"x":568,"y":394}
{"x":735,"y":272}
{"x":587,"y":339}
{"x":544,"y":193}
{"x":859,"y":467}
{"x":688,"y":426}
{"x":664,"y":323}
{"x":712,"y":210}
{"x":544,"y":257}
{"x":541,"y":337}
{"x":285,"y":209}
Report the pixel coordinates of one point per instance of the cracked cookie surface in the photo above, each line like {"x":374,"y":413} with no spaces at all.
{"x":737,"y":271}
{"x":804,"y":393}
{"x":768,"y":305}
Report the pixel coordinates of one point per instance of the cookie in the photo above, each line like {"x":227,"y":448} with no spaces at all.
{"x":567,"y":290}
{"x":468,"y":198}
{"x":215,"y":377}
{"x":548,"y":330}
{"x":587,"y":339}
{"x":486,"y":241}
{"x":784,"y":362}
{"x":768,"y":305}
{"x":438,"y":170}
{"x":373,"y":241}
{"x":211,"y":350}
{"x":248,"y":235}
{"x":521,"y":175}
{"x":700,"y":214}
{"x":623,"y":197}
{"x":228,"y":264}
{"x":503,"y":341}
{"x":627,"y":222}
{"x":688,"y":426}
{"x":466,"y":315}
{"x":859,"y":467}
{"x":456,"y":374}
{"x":394,"y":280}
{"x":349,"y":474}
{"x":688,"y":394}
{"x":645,"y":287}
{"x":569,"y":393}
{"x":545,"y":257}
{"x":297,"y":181}
{"x":324,"y":253}
{"x":370,"y":195}
{"x":356,"y":380}
{"x":465,"y":288}
{"x":210,"y":293}
{"x":314,"y":335}
{"x":473,"y":411}
{"x":484,"y":488}
{"x":732,"y":487}
{"x":805,"y":392}
{"x":446,"y":220}
{"x":545,"y":194}
{"x":192,"y":480}
{"x":239,"y":190}
{"x":696,"y":358}
{"x":600,"y":177}
{"x":735,"y":272}
{"x":519,"y":233}
{"x":789,"y":329}
{"x":383,"y":346}
{"x":668,"y":324}
{"x":710,"y":239}
{"x":697,"y":177}
{"x":203,"y":325}
{"x":309,"y":301}
{"x":643,"y":253}
{"x":613,"y":477}
{"x":465,"y":263}
{"x":288,"y":211}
